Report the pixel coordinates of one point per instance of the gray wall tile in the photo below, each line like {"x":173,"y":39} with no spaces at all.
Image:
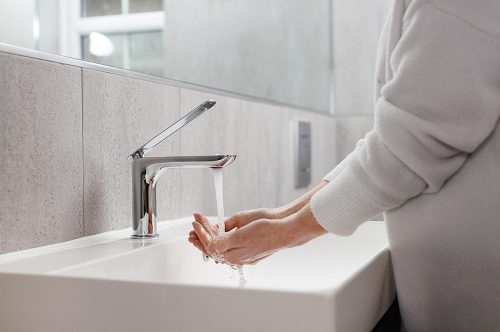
{"x":229,"y":128}
{"x":119,"y":115}
{"x":261,"y":136}
{"x":41,"y":141}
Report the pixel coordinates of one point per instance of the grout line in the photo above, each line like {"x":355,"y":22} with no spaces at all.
{"x":83,"y":159}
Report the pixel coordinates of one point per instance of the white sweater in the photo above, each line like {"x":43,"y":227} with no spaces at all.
{"x":432,"y":163}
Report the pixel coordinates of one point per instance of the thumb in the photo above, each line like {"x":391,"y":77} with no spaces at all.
{"x":235,"y":221}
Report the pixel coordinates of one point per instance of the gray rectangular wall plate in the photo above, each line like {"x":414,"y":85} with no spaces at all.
{"x":302,"y":154}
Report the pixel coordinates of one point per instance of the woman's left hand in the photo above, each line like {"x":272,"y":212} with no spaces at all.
{"x":260,"y":238}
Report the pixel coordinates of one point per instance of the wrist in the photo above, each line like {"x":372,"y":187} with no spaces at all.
{"x":275,"y":213}
{"x":301,"y":227}
{"x":283,"y":212}
{"x":295,"y":206}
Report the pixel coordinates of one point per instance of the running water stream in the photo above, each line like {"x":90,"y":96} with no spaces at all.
{"x":219,"y":195}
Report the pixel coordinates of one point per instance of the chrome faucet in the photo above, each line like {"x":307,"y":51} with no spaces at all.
{"x":147,"y":171}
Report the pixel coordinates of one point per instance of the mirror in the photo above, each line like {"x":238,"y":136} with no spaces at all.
{"x":277,"y":50}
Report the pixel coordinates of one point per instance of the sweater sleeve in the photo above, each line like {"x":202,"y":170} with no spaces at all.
{"x":442,"y":102}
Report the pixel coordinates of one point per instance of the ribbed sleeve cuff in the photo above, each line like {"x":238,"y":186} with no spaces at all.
{"x":342,"y":205}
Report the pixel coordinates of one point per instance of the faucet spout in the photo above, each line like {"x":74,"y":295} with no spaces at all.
{"x":145,"y":175}
{"x":139,"y":153}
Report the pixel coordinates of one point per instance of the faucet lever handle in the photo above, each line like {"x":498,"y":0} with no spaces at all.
{"x":139,"y":153}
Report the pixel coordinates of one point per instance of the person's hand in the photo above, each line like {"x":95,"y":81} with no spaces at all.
{"x":245,"y":217}
{"x":238,"y":220}
{"x":260,"y":238}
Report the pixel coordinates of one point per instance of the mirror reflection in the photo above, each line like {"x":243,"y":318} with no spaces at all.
{"x":274,"y":50}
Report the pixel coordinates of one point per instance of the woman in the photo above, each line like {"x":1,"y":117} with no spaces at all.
{"x":431,"y":164}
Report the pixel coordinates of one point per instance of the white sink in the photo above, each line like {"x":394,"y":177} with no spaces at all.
{"x":108,"y":282}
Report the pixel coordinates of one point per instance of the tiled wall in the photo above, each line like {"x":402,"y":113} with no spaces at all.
{"x":41,"y":168}
{"x":119,"y":115}
{"x":66,"y":132}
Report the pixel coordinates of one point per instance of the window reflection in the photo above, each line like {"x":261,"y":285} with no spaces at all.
{"x":140,"y":51}
{"x":127,"y":47}
{"x":140,"y":6}
{"x":146,"y":52}
{"x":100,"y":7}
{"x":91,"y":8}
{"x":95,"y":48}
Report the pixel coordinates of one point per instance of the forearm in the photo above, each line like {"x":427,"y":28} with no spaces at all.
{"x":295,"y":206}
{"x":298,"y":228}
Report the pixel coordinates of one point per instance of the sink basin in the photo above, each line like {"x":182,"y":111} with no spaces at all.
{"x":110,"y":282}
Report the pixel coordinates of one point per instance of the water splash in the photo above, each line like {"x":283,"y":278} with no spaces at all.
{"x":219,"y":195}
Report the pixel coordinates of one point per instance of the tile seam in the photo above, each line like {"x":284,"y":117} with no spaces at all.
{"x":83,"y":157}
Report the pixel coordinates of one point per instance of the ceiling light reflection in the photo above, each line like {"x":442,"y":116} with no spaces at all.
{"x":100,"y":45}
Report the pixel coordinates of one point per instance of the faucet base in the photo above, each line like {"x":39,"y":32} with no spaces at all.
{"x":145,"y":236}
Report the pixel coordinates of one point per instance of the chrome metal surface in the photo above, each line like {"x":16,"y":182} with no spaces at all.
{"x":145,"y":175}
{"x":139,"y":153}
{"x":147,"y":171}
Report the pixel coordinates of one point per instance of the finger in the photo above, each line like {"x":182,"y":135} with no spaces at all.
{"x":192,"y":235}
{"x":198,"y":217}
{"x":233,"y":222}
{"x":203,"y":236}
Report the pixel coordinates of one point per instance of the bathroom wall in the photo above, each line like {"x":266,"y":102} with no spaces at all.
{"x":66,"y":132}
{"x":16,"y":22}
{"x":41,"y":168}
{"x":356,"y":28}
{"x":278,"y":50}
